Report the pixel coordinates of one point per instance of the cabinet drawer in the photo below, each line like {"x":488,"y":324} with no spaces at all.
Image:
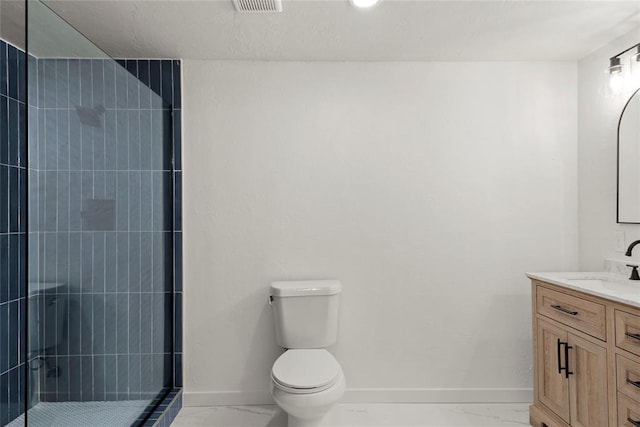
{"x":628,"y":375}
{"x":628,"y":331}
{"x":628,"y":409}
{"x":583,"y":315}
{"x":539,"y":418}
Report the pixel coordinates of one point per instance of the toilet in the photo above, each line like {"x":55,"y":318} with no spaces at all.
{"x":306,"y":380}
{"x":48,"y":307}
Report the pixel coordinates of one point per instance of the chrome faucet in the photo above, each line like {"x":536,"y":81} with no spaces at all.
{"x":634,"y":268}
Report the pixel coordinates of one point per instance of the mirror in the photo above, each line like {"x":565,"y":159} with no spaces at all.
{"x":629,"y":162}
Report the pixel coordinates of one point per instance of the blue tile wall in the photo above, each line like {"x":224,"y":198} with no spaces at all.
{"x":12,"y":231}
{"x":177,"y":225}
{"x":106,"y":205}
{"x":89,"y":196}
{"x":164,"y":79}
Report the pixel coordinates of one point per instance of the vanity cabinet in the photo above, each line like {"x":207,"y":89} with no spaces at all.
{"x":554,"y":387}
{"x":586,"y":360}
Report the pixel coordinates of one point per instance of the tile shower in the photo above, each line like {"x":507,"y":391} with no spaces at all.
{"x":90,"y":239}
{"x":12,"y":232}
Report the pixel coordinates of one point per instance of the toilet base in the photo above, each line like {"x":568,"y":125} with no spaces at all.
{"x":305,"y":422}
{"x":309,"y":410}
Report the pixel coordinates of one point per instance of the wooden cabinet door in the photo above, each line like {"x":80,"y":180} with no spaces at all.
{"x":588,"y":383}
{"x":553,"y":387}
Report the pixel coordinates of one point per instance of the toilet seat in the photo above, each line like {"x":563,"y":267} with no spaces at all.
{"x":305,"y":371}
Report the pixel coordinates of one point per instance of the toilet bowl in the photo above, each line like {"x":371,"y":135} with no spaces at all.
{"x":306,"y":384}
{"x":306,"y":380}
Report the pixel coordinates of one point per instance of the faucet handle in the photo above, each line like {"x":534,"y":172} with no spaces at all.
{"x":634,"y":272}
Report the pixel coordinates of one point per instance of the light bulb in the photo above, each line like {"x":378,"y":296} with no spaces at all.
{"x":616,"y":76}
{"x":634,"y":71}
{"x":364,"y":3}
{"x":616,"y":83}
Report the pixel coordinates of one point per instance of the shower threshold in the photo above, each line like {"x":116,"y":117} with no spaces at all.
{"x":83,"y":414}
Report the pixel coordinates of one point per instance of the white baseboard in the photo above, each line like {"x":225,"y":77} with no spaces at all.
{"x":438,"y":395}
{"x":225,"y":398}
{"x":371,"y":395}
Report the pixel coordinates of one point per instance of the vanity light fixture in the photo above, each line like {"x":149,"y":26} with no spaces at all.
{"x":635,"y":66}
{"x":363,"y":4}
{"x":619,"y":78}
{"x":616,"y":76}
{"x":614,"y":66}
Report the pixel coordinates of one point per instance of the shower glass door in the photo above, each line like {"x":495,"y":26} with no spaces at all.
{"x":99,"y":345}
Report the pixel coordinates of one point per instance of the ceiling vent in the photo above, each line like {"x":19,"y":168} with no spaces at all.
{"x":258,"y":6}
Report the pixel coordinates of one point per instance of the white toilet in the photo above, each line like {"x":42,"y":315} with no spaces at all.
{"x":306,"y":380}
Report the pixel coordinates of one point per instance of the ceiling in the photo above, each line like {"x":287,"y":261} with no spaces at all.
{"x":332,"y":30}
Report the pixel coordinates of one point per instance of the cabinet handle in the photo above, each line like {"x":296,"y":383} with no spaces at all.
{"x":564,"y":310}
{"x":567,"y":372}
{"x":566,"y":358}
{"x":634,"y":383}
{"x":634,"y":336}
{"x":635,"y":423}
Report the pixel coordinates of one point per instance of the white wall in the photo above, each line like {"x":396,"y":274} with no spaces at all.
{"x":427,"y":188}
{"x":597,"y":124}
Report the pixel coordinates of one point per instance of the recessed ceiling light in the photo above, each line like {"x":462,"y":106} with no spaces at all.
{"x":364,"y":3}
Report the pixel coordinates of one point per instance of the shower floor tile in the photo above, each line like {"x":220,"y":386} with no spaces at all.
{"x":365,"y":415}
{"x":83,"y":414}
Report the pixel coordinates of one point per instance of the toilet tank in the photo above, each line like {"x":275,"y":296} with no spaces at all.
{"x":306,"y":312}
{"x":47,"y":316}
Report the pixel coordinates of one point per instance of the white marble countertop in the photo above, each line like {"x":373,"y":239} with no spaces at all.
{"x":612,"y":286}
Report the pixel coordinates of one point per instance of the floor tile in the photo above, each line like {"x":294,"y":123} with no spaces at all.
{"x":369,"y":415}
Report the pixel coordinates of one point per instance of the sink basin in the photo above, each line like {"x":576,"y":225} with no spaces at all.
{"x":604,"y":284}
{"x":590,"y":282}
{"x":596,"y":279}
{"x":592,"y":277}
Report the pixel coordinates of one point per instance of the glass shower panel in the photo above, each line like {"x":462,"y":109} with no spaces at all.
{"x":99,"y":231}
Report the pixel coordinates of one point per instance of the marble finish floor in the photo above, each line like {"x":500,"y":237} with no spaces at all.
{"x":365,"y":415}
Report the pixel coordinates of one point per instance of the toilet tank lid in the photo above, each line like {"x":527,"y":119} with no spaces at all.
{"x":39,"y":288}
{"x":305,"y":288}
